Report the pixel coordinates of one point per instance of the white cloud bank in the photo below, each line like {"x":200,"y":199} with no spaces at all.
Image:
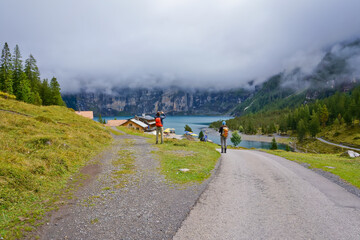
{"x":191,"y":43}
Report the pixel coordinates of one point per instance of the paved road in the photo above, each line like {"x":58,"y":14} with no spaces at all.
{"x":338,"y":145}
{"x":256,"y":195}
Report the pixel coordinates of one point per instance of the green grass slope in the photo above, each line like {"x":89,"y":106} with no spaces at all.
{"x":40,"y":148}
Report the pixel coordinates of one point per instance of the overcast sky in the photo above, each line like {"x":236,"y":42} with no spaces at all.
{"x":195,"y":43}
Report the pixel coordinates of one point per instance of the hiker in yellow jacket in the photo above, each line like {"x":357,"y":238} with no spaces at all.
{"x":224,"y":131}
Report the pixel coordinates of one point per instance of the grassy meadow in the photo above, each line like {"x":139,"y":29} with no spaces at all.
{"x":40,"y":148}
{"x":346,"y":168}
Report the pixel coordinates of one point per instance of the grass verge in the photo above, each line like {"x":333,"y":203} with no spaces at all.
{"x":40,"y":148}
{"x":316,"y":146}
{"x":199,"y":157}
{"x":346,"y":168}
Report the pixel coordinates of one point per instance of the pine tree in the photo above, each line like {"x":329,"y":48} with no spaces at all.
{"x":24,"y":90}
{"x":18,"y":70}
{"x":274,"y":145}
{"x":6,"y":68}
{"x":100,"y":120}
{"x":301,"y":130}
{"x":235,"y":138}
{"x":348,"y":118}
{"x":314,"y":126}
{"x":324,"y":116}
{"x":36,"y":99}
{"x":46,"y":93}
{"x":33,"y":74}
{"x":55,"y":93}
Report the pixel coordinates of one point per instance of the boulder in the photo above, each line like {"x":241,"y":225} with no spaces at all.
{"x":350,"y":153}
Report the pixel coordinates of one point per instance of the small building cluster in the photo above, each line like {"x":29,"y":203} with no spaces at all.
{"x":145,"y":123}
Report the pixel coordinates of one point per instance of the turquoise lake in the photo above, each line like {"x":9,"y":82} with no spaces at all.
{"x":198,"y":123}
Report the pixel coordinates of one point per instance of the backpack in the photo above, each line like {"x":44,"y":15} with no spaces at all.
{"x":225,"y":132}
{"x":158,"y":122}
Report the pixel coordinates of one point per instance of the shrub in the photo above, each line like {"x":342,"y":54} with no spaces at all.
{"x":235,"y":138}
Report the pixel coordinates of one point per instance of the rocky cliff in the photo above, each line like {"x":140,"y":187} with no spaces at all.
{"x":173,"y":101}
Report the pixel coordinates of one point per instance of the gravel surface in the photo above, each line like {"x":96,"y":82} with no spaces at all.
{"x":338,"y":145}
{"x":145,"y":207}
{"x":256,"y":195}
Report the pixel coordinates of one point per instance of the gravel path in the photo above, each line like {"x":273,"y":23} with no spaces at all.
{"x":255,"y":195}
{"x":145,"y":206}
{"x":338,"y":145}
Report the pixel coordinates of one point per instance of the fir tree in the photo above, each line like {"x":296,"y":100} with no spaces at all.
{"x":314,"y":126}
{"x":24,"y":90}
{"x":301,"y":130}
{"x":55,"y":93}
{"x":235,"y":138}
{"x":6,"y":68}
{"x":274,"y":145}
{"x":18,"y":70}
{"x":100,"y":120}
{"x":46,"y":93}
{"x":324,"y":116}
{"x":33,"y":74}
{"x":36,"y":99}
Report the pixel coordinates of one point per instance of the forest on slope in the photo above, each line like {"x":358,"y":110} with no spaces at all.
{"x":23,"y":81}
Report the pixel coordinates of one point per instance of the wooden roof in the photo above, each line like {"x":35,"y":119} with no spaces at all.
{"x":115,"y":123}
{"x":87,"y":114}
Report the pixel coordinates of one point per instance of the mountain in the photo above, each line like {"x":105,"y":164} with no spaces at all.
{"x":339,"y":70}
{"x":173,"y":101}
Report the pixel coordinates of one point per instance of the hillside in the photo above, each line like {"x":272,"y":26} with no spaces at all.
{"x":40,"y":147}
{"x":337,"y":71}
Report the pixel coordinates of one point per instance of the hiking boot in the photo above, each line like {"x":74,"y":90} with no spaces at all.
{"x":225,"y":150}
{"x":222,"y":151}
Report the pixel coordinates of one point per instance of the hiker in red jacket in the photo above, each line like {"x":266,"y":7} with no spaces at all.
{"x":159,"y":126}
{"x":224,"y":131}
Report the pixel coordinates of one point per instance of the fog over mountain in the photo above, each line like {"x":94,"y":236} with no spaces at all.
{"x":205,"y":43}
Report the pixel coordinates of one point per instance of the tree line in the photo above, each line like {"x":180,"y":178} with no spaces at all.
{"x":305,"y":120}
{"x":24,"y":81}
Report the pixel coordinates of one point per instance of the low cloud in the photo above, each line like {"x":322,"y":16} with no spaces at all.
{"x":221,"y":44}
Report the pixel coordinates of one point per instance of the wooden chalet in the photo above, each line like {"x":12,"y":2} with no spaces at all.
{"x":135,"y":124}
{"x":148,"y":120}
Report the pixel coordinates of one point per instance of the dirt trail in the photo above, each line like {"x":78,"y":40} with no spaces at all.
{"x":137,"y":205}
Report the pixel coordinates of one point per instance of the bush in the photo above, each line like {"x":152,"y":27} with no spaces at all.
{"x":201,"y":136}
{"x":7,"y":96}
{"x":235,"y":138}
{"x":188,"y":128}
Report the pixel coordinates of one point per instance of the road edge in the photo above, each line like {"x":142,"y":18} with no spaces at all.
{"x":204,"y":187}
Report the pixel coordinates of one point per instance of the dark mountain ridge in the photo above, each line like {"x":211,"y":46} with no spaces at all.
{"x":339,"y":70}
{"x":173,"y":101}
